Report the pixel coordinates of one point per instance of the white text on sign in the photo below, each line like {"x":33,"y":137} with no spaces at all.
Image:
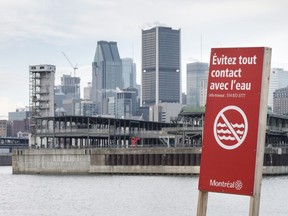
{"x":227,"y":72}
{"x":226,"y":60}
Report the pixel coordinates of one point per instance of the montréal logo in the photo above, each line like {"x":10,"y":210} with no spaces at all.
{"x":227,"y":184}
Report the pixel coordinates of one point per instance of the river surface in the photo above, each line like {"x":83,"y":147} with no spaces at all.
{"x":122,"y":195}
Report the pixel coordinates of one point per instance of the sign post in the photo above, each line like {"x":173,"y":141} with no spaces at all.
{"x":235,"y":124}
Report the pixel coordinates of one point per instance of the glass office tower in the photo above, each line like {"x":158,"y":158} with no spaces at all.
{"x":106,"y":74}
{"x":161,"y":67}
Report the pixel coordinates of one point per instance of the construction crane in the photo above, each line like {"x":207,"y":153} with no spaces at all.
{"x":74,"y":67}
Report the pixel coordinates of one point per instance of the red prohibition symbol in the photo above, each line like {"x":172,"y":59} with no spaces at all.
{"x":230,"y":127}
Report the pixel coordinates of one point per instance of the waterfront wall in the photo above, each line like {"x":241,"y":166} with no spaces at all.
{"x":275,"y":170}
{"x":5,"y":159}
{"x":50,"y":161}
{"x":182,"y":161}
{"x":107,"y":161}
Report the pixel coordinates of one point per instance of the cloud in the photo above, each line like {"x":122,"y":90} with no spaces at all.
{"x":9,"y":105}
{"x":35,"y":32}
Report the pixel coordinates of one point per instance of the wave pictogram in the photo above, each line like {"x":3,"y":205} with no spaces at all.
{"x":236,"y":125}
{"x":221,"y":131}
{"x":240,"y":132}
{"x":226,"y":137}
{"x":222,"y":125}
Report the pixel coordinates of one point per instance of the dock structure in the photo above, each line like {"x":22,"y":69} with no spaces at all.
{"x":99,"y":132}
{"x":177,"y":161}
{"x":78,"y":144}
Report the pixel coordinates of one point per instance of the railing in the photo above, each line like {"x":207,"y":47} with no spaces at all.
{"x":192,"y":128}
{"x":277,"y":145}
{"x":143,"y":134}
{"x":277,"y":129}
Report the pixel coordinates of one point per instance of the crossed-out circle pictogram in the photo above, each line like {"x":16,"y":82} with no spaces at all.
{"x":230,"y":127}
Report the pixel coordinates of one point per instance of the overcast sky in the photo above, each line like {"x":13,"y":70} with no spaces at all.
{"x":37,"y":31}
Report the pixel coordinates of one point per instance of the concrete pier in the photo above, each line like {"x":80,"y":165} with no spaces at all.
{"x":107,"y":161}
{"x":178,"y":161}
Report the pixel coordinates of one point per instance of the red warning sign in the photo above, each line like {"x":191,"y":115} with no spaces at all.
{"x":231,"y":120}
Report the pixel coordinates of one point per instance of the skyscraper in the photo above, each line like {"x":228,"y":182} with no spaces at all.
{"x":280,"y":101}
{"x":106,"y":74}
{"x":128,"y":73}
{"x":126,"y":103}
{"x":87,"y":91}
{"x":70,"y":86}
{"x":278,"y":79}
{"x":197,"y":76}
{"x":69,"y":89}
{"x":161,"y":67}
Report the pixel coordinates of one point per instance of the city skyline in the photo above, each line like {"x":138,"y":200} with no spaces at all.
{"x":36,"y":32}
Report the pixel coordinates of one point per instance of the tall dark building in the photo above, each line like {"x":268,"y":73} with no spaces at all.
{"x":161,"y":67}
{"x":106,"y":74}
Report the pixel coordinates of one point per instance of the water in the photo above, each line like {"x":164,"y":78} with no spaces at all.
{"x":104,"y":195}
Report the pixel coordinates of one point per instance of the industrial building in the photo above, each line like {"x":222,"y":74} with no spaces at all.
{"x":41,"y":95}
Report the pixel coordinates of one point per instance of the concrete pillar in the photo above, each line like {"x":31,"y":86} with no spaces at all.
{"x":157,"y":159}
{"x":109,"y":159}
{"x":181,"y":160}
{"x":130,"y":159}
{"x":114,"y":159}
{"x":141,"y":159}
{"x":163,"y":159}
{"x":187,"y":160}
{"x":75,"y":143}
{"x":152,"y":159}
{"x":169,"y":159}
{"x":124,"y":159}
{"x":193,"y":160}
{"x":198,"y":159}
{"x":146,"y":159}
{"x":135,"y":159}
{"x":175,"y":159}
